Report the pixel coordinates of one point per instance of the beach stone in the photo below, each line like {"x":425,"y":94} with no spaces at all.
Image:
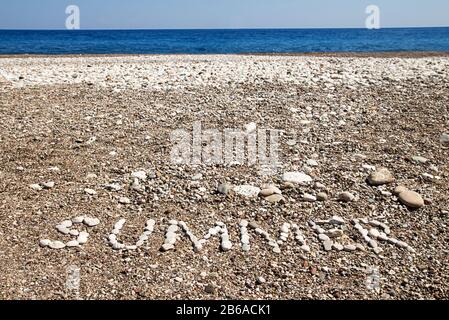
{"x":66,"y":223}
{"x":141,"y":175}
{"x":91,"y":222}
{"x":319,"y":185}
{"x":224,"y":188}
{"x":36,"y":187}
{"x":334,"y":233}
{"x":45,"y":243}
{"x":113,"y":187}
{"x":197,"y":177}
{"x":226,"y":245}
{"x":309,"y":197}
{"x":253,"y":225}
{"x":266,"y":192}
{"x":79,"y":219}
{"x":56,"y":245}
{"x":124,"y":200}
{"x":323,"y":237}
{"x":243,"y":223}
{"x":172,"y":229}
{"x":118,"y":226}
{"x":209,"y":289}
{"x":62,"y":229}
{"x":247,"y":191}
{"x":420,"y":159}
{"x":269,"y":190}
{"x":338,"y":246}
{"x":380,"y":177}
{"x":287,"y":185}
{"x":91,"y":176}
{"x":275,"y":198}
{"x":118,"y":246}
{"x":328,"y":245}
{"x":350,"y":247}
{"x":444,"y":139}
{"x":90,"y":192}
{"x":260,"y":280}
{"x":411,"y":199}
{"x":374,"y":233}
{"x":399,"y":189}
{"x":346,"y":197}
{"x":83,"y":237}
{"x":297,"y":177}
{"x":245,"y":239}
{"x":312,"y":163}
{"x":72,"y":244}
{"x":337,"y":220}
{"x":167,"y":247}
{"x":277,"y":249}
{"x":322,"y":196}
{"x":48,"y":185}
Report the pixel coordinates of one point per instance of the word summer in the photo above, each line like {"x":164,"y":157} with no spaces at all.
{"x":330,"y":234}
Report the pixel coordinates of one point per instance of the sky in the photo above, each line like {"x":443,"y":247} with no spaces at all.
{"x":205,"y":14}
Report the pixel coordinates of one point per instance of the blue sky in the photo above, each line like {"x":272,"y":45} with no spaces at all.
{"x":179,"y":14}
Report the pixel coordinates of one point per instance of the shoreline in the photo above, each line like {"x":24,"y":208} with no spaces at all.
{"x":381,"y":54}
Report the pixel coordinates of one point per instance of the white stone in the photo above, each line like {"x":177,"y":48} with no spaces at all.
{"x":73,"y":243}
{"x":48,"y":185}
{"x":297,"y":177}
{"x":337,"y":220}
{"x":141,"y":175}
{"x":167,"y":247}
{"x":79,"y":219}
{"x":45,"y":243}
{"x":83,"y":237}
{"x":36,"y":187}
{"x":66,"y":223}
{"x":113,"y":187}
{"x":119,"y":224}
{"x":243,"y":223}
{"x":309,"y":198}
{"x":247,"y":191}
{"x":91,"y":222}
{"x":124,"y":200}
{"x":226,"y":245}
{"x":56,"y":245}
{"x":63,"y":229}
{"x":90,"y":192}
{"x":374,"y":233}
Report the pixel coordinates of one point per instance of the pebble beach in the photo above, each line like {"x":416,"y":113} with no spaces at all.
{"x":93,"y":206}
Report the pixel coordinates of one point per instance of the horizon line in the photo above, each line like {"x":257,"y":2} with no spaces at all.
{"x":205,"y":29}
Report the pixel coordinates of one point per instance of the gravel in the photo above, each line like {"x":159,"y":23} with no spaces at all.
{"x":349,"y":115}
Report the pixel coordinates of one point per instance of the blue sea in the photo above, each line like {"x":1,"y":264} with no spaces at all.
{"x":222,"y":41}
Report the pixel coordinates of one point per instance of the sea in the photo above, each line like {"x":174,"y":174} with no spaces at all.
{"x":226,"y":41}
